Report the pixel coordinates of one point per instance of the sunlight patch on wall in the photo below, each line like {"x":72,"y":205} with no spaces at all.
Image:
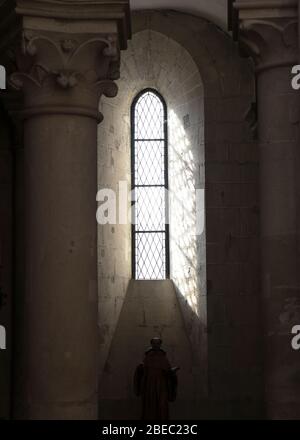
{"x":183,"y":212}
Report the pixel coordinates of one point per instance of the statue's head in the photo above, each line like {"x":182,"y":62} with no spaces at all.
{"x":156,"y":343}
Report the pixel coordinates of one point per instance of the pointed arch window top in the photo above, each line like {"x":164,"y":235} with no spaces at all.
{"x":149,"y":116}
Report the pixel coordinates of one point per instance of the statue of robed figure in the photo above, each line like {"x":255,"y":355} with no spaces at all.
{"x":156,"y":382}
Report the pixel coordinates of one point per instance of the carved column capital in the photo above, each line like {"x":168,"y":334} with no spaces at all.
{"x":68,"y":55}
{"x":268,"y":32}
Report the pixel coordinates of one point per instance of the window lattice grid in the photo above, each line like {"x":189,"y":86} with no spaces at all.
{"x":149,"y":117}
{"x":150,"y":250}
{"x":149,"y":158}
{"x":150,"y":208}
{"x":149,"y":163}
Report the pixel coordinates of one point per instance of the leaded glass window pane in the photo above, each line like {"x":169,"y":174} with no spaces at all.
{"x":150,"y":208}
{"x":149,"y":162}
{"x":149,"y":117}
{"x":150,"y":256}
{"x":150,"y":181}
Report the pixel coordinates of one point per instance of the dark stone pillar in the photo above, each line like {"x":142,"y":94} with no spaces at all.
{"x":67,"y":59}
{"x":269,"y":32}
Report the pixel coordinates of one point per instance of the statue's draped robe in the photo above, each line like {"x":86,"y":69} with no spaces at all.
{"x":154,"y":388}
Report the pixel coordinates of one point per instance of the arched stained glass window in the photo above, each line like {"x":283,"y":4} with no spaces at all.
{"x":150,"y":230}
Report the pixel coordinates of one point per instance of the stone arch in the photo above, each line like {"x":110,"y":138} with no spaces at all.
{"x":184,"y":99}
{"x":225,"y":86}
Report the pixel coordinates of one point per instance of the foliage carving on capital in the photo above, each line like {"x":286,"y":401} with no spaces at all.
{"x":270,"y":42}
{"x":86,"y":61}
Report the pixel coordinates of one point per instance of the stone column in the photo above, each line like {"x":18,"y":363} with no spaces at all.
{"x":67,"y":59}
{"x":269,"y":30}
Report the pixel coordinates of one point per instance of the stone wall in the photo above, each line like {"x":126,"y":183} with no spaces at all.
{"x":155,"y":61}
{"x":232,"y":214}
{"x":114,"y":243}
{"x":184,"y":91}
{"x":232,"y":333}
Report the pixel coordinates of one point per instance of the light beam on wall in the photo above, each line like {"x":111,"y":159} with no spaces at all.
{"x":184,"y":208}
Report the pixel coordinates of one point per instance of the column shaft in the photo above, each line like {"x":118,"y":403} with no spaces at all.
{"x":67,"y":59}
{"x":280,"y":287}
{"x":60,"y":260}
{"x":269,"y":33}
